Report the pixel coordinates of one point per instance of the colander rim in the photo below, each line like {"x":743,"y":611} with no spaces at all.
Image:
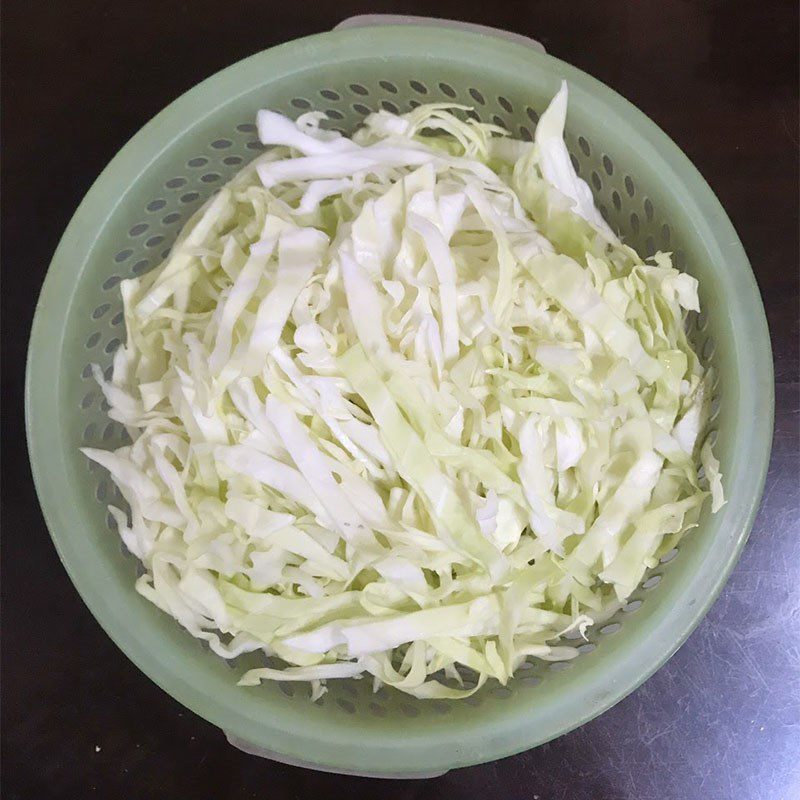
{"x":510,"y":732}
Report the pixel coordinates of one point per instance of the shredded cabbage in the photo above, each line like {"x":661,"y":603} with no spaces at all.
{"x":403,"y":405}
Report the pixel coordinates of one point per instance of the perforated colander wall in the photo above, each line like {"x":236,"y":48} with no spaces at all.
{"x":145,"y":230}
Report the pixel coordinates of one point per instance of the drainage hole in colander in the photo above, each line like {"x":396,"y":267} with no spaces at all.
{"x":584,"y":146}
{"x":92,"y":340}
{"x":409,"y":711}
{"x":417,"y":104}
{"x":300,"y":102}
{"x":138,"y":230}
{"x":346,"y":706}
{"x":629,"y":187}
{"x":477,"y":96}
{"x":253,"y":145}
{"x":648,"y":209}
{"x":89,"y":432}
{"x":286,"y":688}
{"x":100,"y":493}
{"x":140,"y":266}
{"x":525,"y":134}
{"x":112,"y":346}
{"x":607,"y":630}
{"x":357,"y":88}
{"x":533,"y":115}
{"x":360,"y":108}
{"x":616,"y":200}
{"x":334,"y":114}
{"x":506,"y":104}
{"x":210,"y":177}
{"x":246,"y":127}
{"x":560,"y":666}
{"x":419,"y":88}
{"x":587,"y":648}
{"x":100,"y":310}
{"x":501,"y":692}
{"x":108,"y":431}
{"x":224,"y":144}
{"x":667,"y":557}
{"x":123,"y":255}
{"x":608,"y":165}
{"x":576,"y":165}
{"x":679,"y":259}
{"x":603,"y":209}
{"x":716,"y":403}
{"x":175,"y":183}
{"x":231,"y":161}
{"x":530,"y":680}
{"x":649,"y":246}
{"x":110,"y":283}
{"x":329,"y":94}
{"x":499,"y":121}
{"x":199,"y":161}
{"x":388,"y":86}
{"x":632,"y":606}
{"x":474,"y":700}
{"x":596,"y":181}
{"x":190,"y":197}
{"x":439,"y":707}
{"x":154,"y":241}
{"x":171,"y":218}
{"x":702,"y":320}
{"x":635,"y":222}
{"x":390,"y":107}
{"x":447,"y":89}
{"x":651,"y":583}
{"x":87,"y":371}
{"x":377,"y":710}
{"x":156,"y":205}
{"x":666,"y":234}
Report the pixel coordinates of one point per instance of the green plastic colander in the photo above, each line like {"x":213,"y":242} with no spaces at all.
{"x":647,"y":190}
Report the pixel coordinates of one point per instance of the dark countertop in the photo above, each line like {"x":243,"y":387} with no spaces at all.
{"x":720,"y":720}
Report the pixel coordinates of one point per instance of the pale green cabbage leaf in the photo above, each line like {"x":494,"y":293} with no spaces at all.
{"x":403,"y":405}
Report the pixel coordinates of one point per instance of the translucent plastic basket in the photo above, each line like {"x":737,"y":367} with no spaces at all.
{"x":647,"y":190}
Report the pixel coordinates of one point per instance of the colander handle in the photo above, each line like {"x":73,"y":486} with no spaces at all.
{"x":374,"y":20}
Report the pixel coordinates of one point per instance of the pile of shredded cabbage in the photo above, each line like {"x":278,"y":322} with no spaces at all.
{"x":403,"y":405}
